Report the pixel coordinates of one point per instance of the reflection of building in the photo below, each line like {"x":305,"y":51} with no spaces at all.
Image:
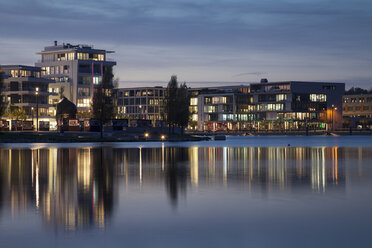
{"x":25,"y":89}
{"x":75,"y":188}
{"x":72,"y":187}
{"x":141,"y":103}
{"x":76,"y":70}
{"x":357,"y":110}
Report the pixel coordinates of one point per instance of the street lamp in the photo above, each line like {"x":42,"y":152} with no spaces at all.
{"x":147,"y":135}
{"x":333,"y":108}
{"x":37,"y":108}
{"x":162,"y":137}
{"x":32,"y":115}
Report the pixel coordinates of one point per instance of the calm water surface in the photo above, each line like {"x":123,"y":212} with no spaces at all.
{"x":244,"y":192}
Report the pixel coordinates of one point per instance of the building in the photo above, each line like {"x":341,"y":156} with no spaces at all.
{"x":357,"y":110}
{"x":76,"y":70}
{"x":24,"y":88}
{"x":219,"y":108}
{"x":294,"y":105}
{"x":141,"y":103}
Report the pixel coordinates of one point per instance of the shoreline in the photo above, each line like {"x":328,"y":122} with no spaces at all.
{"x":91,"y":137}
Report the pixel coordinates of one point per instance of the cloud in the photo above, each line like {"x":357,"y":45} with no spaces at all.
{"x":258,"y":74}
{"x":201,"y":40}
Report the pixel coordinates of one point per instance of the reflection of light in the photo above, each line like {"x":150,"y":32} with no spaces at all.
{"x":336,"y":169}
{"x":194,"y":165}
{"x":84,"y":168}
{"x":37,"y":180}
{"x":140,"y":164}
{"x":225,"y":161}
{"x":162,"y":156}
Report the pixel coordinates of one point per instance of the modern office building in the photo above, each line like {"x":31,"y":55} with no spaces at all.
{"x":293,"y":105}
{"x":261,"y":106}
{"x":219,"y":108}
{"x":24,"y":88}
{"x":76,"y":70}
{"x":357,"y":110}
{"x":141,"y":103}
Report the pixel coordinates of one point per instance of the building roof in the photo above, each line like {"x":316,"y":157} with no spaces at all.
{"x":66,"y":108}
{"x":69,"y":47}
{"x":20,"y":67}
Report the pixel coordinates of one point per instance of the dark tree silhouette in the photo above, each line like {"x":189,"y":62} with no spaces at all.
{"x":177,"y":104}
{"x":2,"y":105}
{"x":103,"y":107}
{"x":357,"y":90}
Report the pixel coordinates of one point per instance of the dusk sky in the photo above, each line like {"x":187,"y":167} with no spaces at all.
{"x":230,"y":41}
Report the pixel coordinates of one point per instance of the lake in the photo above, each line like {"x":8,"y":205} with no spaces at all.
{"x":242,"y":192}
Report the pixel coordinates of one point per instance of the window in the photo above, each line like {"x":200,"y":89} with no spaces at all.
{"x":193,"y":109}
{"x":207,"y":100}
{"x":194,"y":117}
{"x":70,"y":56}
{"x":83,"y":91}
{"x":281,"y":97}
{"x":318,"y":97}
{"x":84,"y":103}
{"x":97,"y":80}
{"x":14,"y":73}
{"x":83,"y":56}
{"x":227,"y":117}
{"x":85,"y":80}
{"x":194,"y":101}
{"x":215,"y":100}
{"x":210,"y":109}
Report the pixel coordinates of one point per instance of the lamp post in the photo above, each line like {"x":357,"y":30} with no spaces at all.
{"x":32,"y":116}
{"x":333,"y":108}
{"x":37,"y":108}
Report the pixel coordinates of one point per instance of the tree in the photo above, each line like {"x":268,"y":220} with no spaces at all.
{"x":103,"y":107}
{"x":2,"y":105}
{"x":356,"y":91}
{"x":17,"y":113}
{"x":177,"y":104}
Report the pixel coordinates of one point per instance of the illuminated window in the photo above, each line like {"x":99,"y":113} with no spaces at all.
{"x":215,"y":100}
{"x":14,"y":73}
{"x":281,"y":97}
{"x":194,"y":101}
{"x":227,"y":117}
{"x":97,"y":80}
{"x":84,"y":103}
{"x":83,"y":56}
{"x":210,"y":109}
{"x":193,"y":109}
{"x":318,"y":97}
{"x":70,"y":56}
{"x":194,"y":117}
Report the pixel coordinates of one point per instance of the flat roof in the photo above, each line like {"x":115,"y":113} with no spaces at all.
{"x":69,"y":47}
{"x":20,"y":67}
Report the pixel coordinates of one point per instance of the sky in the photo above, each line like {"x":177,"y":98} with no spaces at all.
{"x":203,"y":42}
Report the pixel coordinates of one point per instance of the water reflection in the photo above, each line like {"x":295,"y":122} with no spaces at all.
{"x":77,"y":188}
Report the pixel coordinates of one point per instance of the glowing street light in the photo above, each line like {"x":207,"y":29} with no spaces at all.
{"x":333,"y":109}
{"x":162,"y":137}
{"x":37,"y":108}
{"x":147,"y":135}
